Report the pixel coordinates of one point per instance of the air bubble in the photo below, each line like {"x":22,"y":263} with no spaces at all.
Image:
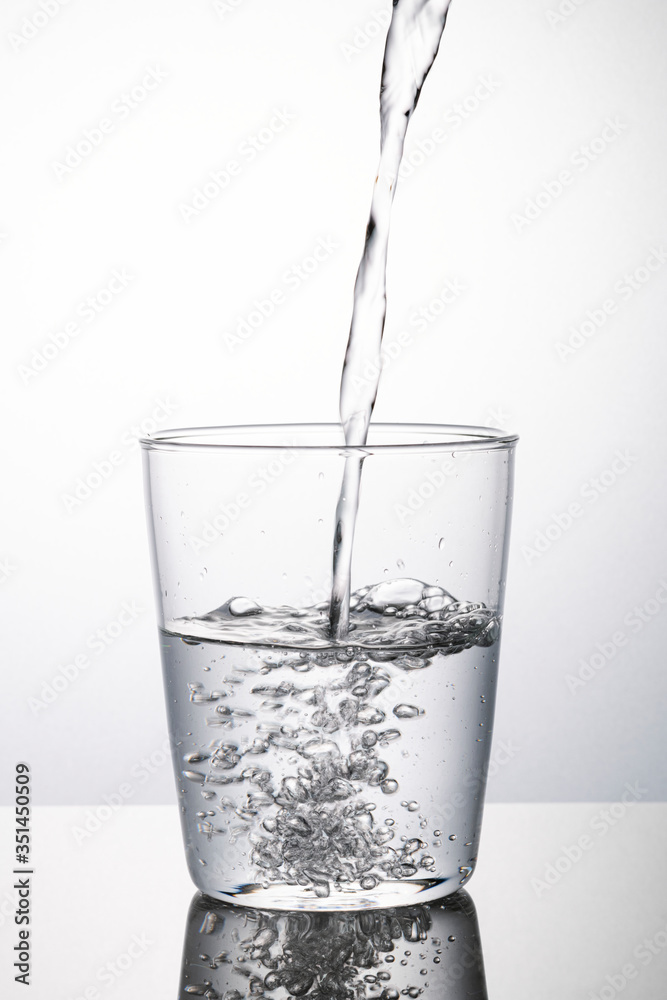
{"x":195,"y":776}
{"x":407,"y":711}
{"x":240,"y":607}
{"x":389,"y":735}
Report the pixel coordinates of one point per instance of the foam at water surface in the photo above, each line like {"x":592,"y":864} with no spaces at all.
{"x":396,"y":614}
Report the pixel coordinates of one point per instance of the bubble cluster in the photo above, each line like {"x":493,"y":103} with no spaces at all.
{"x":312,"y":955}
{"x":302,"y":790}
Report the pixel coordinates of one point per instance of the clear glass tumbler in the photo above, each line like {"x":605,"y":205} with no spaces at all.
{"x":317,"y":773}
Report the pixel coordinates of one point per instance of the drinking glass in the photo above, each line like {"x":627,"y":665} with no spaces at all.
{"x":312,"y":772}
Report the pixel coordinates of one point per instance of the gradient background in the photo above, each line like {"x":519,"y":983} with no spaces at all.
{"x":158,"y":352}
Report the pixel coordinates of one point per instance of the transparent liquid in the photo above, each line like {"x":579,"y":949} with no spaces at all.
{"x":413,"y":41}
{"x":313,"y":773}
{"x":415,"y":951}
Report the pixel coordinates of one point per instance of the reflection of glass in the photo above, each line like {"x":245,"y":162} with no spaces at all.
{"x":432,"y":950}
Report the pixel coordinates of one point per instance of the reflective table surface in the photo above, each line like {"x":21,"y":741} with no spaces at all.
{"x":568,"y":901}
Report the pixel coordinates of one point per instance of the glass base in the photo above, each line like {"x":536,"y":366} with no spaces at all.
{"x":390,"y":893}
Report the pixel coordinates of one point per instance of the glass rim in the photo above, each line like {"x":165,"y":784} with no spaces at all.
{"x":446,"y":437}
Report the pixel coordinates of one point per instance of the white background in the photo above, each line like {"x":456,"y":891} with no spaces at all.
{"x":492,"y":357}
